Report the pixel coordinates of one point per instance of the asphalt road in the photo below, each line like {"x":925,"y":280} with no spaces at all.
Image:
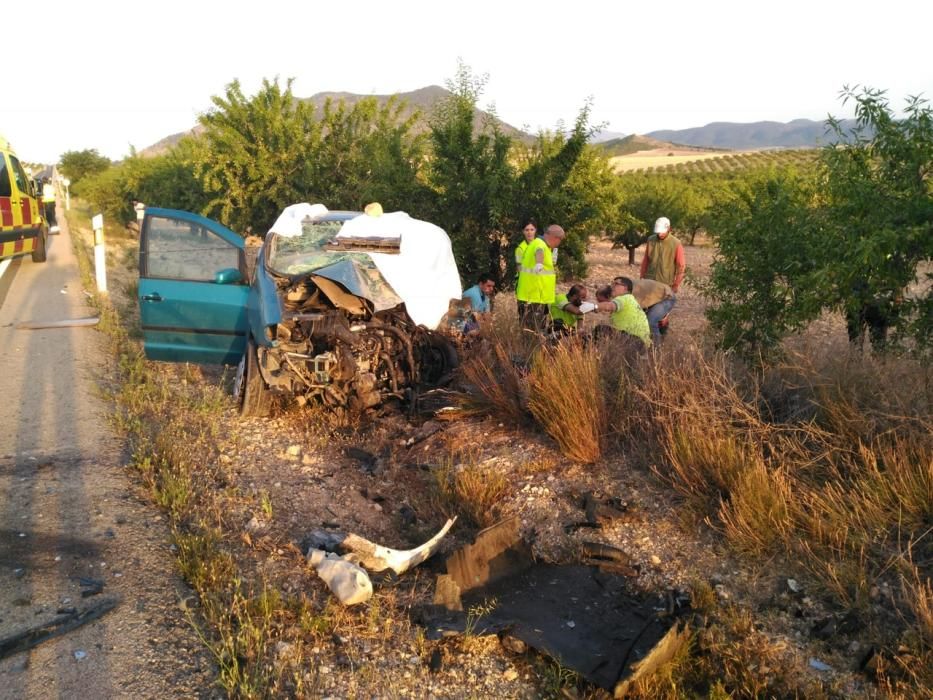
{"x":71,"y":514}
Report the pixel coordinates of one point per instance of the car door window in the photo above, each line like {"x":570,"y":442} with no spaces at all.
{"x":184,"y":250}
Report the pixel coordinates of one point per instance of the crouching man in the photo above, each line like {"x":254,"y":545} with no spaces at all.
{"x":626,"y":315}
{"x":565,"y":311}
{"x":656,"y":299}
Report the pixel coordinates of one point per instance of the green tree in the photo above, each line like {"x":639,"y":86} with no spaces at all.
{"x":854,"y":235}
{"x":259,"y":154}
{"x":879,"y":210}
{"x":472,"y":179}
{"x":253,"y":156}
{"x":77,"y":165}
{"x":163,"y":181}
{"x":765,"y":281}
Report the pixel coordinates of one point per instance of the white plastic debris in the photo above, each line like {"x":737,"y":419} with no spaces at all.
{"x":375,"y":557}
{"x":345,"y":579}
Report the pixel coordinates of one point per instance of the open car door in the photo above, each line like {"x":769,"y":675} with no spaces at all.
{"x":192,"y":288}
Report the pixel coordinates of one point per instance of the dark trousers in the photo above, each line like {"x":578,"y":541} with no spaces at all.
{"x":49,"y":213}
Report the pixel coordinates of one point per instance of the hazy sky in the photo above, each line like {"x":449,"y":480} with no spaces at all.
{"x":107,"y":75}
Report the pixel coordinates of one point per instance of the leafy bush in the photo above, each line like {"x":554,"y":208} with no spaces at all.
{"x":161,"y":181}
{"x":77,"y":165}
{"x":849,"y":239}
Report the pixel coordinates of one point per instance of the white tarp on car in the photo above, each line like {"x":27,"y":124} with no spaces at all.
{"x":423,"y":273}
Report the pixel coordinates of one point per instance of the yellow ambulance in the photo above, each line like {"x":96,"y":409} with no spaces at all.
{"x":22,"y":227}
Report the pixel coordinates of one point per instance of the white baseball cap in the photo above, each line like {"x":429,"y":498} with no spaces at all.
{"x":662,"y":225}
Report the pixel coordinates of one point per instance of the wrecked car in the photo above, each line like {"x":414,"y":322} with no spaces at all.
{"x":341,"y":307}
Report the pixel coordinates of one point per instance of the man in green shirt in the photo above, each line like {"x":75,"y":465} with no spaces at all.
{"x":565,"y":311}
{"x":626,"y":315}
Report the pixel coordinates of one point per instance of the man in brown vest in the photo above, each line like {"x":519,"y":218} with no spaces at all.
{"x":664,"y":259}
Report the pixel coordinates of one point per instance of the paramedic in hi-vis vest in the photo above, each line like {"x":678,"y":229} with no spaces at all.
{"x":537,"y":279}
{"x":48,"y":202}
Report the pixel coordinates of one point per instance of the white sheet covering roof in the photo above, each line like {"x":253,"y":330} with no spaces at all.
{"x":423,"y":273}
{"x":289,"y":222}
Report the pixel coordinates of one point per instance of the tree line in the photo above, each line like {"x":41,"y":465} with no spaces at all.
{"x":846,"y":227}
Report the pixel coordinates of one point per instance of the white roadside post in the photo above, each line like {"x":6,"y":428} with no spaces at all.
{"x":66,"y":182}
{"x":140,"y":215}
{"x":100,"y":260}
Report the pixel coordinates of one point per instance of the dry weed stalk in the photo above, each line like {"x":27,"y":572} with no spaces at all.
{"x":566,"y":398}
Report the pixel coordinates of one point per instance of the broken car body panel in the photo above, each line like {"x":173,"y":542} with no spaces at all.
{"x":323,"y":319}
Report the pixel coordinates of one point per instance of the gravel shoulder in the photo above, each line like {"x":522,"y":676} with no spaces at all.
{"x":72,"y":514}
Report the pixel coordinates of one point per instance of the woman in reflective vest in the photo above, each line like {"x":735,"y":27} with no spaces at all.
{"x":537,"y":279}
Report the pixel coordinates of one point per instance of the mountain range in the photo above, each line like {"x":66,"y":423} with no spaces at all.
{"x":799,"y":133}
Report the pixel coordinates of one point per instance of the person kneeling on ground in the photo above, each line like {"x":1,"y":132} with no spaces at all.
{"x":656,"y":299}
{"x":479,"y":296}
{"x":626,"y":315}
{"x":565,"y":311}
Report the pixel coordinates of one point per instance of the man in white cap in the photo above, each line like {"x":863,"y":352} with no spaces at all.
{"x":664,"y":259}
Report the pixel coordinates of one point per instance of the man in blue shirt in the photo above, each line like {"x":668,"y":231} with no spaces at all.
{"x":479,"y":296}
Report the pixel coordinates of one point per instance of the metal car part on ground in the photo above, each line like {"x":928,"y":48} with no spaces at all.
{"x":318,"y":320}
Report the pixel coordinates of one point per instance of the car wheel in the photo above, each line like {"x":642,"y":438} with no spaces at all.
{"x":39,"y":252}
{"x":438,"y":359}
{"x":249,"y":387}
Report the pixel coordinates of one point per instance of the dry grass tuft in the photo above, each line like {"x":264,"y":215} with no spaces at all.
{"x":567,"y":399}
{"x":470,"y":489}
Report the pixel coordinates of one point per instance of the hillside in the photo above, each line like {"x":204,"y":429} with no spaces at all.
{"x":424,"y":100}
{"x":636,"y":143}
{"x":799,"y":133}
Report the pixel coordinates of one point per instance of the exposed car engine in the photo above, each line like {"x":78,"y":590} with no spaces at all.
{"x":347,"y":355}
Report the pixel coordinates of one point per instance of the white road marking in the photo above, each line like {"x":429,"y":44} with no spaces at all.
{"x":4,"y":265}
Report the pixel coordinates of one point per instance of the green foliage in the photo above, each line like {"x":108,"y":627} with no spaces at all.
{"x":879,"y":204}
{"x":472,"y":179}
{"x":765,"y":280}
{"x":855,"y":235}
{"x":259,"y":154}
{"x":485,"y":185}
{"x":162,"y":181}
{"x":78,"y":165}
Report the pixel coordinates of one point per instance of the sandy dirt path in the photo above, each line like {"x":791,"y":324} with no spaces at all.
{"x":70,"y":514}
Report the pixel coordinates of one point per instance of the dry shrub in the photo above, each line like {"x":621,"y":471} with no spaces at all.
{"x":729,"y":658}
{"x":854,"y":396}
{"x":917,"y":591}
{"x":566,"y":398}
{"x":495,"y":369}
{"x":472,"y":490}
{"x":496,"y":385}
{"x":757,"y":518}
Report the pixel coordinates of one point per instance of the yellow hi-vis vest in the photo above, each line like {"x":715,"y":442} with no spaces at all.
{"x":48,"y":192}
{"x":536,"y":288}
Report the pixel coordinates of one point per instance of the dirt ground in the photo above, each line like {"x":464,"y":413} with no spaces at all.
{"x":300,"y":469}
{"x":75,"y":530}
{"x":291,"y":474}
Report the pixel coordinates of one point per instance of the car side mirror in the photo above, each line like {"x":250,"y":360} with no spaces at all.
{"x":229,"y":275}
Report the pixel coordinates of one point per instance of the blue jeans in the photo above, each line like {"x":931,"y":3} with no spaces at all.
{"x":656,"y":313}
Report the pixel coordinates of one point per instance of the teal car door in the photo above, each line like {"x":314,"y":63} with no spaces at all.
{"x":192,"y":288}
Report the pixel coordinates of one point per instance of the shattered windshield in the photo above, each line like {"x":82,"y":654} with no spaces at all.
{"x":298,"y":255}
{"x":355,"y":271}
